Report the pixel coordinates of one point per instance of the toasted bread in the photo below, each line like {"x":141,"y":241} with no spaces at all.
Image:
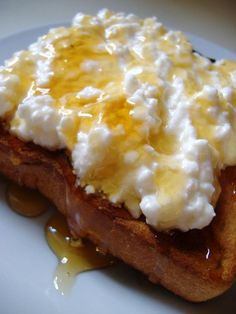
{"x":196,"y":265}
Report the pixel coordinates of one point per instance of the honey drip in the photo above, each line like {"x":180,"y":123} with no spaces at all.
{"x":25,"y":201}
{"x":75,"y":256}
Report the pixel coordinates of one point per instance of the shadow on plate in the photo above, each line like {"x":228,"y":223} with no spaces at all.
{"x":132,"y":279}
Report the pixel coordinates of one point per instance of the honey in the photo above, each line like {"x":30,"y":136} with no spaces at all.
{"x":112,"y":86}
{"x":25,"y":201}
{"x":74,"y":255}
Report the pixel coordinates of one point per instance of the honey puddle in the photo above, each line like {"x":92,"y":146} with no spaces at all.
{"x":25,"y":201}
{"x":74,"y":256}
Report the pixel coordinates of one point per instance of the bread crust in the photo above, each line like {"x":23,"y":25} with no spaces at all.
{"x":196,"y":265}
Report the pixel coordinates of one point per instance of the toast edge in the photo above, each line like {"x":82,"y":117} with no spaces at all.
{"x":32,"y":166}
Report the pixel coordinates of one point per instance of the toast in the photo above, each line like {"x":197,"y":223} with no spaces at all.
{"x":196,"y":265}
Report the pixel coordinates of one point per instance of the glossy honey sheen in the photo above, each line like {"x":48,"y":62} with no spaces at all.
{"x":74,"y":255}
{"x":25,"y":201}
{"x":112,"y":85}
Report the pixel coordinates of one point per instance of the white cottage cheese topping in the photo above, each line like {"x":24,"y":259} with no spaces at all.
{"x":148,"y":122}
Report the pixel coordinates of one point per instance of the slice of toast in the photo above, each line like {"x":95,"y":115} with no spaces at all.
{"x":197,"y":265}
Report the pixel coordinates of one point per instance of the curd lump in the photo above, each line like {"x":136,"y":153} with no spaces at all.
{"x":148,"y":122}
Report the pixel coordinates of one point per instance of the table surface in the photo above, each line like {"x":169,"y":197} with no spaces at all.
{"x":213,"y":20}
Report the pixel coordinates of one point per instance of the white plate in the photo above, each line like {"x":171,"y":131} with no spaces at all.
{"x":27,"y":264}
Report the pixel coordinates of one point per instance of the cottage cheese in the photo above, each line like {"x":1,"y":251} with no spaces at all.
{"x":148,"y":123}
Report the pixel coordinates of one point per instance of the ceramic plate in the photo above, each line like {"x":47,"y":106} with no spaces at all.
{"x":27,"y":264}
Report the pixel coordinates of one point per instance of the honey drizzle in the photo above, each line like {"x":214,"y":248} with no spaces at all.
{"x":74,"y":256}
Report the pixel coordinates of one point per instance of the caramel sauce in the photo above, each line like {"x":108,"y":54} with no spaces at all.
{"x":74,"y":256}
{"x":25,"y":201}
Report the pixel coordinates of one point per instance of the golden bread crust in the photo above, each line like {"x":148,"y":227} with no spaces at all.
{"x":197,"y":265}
